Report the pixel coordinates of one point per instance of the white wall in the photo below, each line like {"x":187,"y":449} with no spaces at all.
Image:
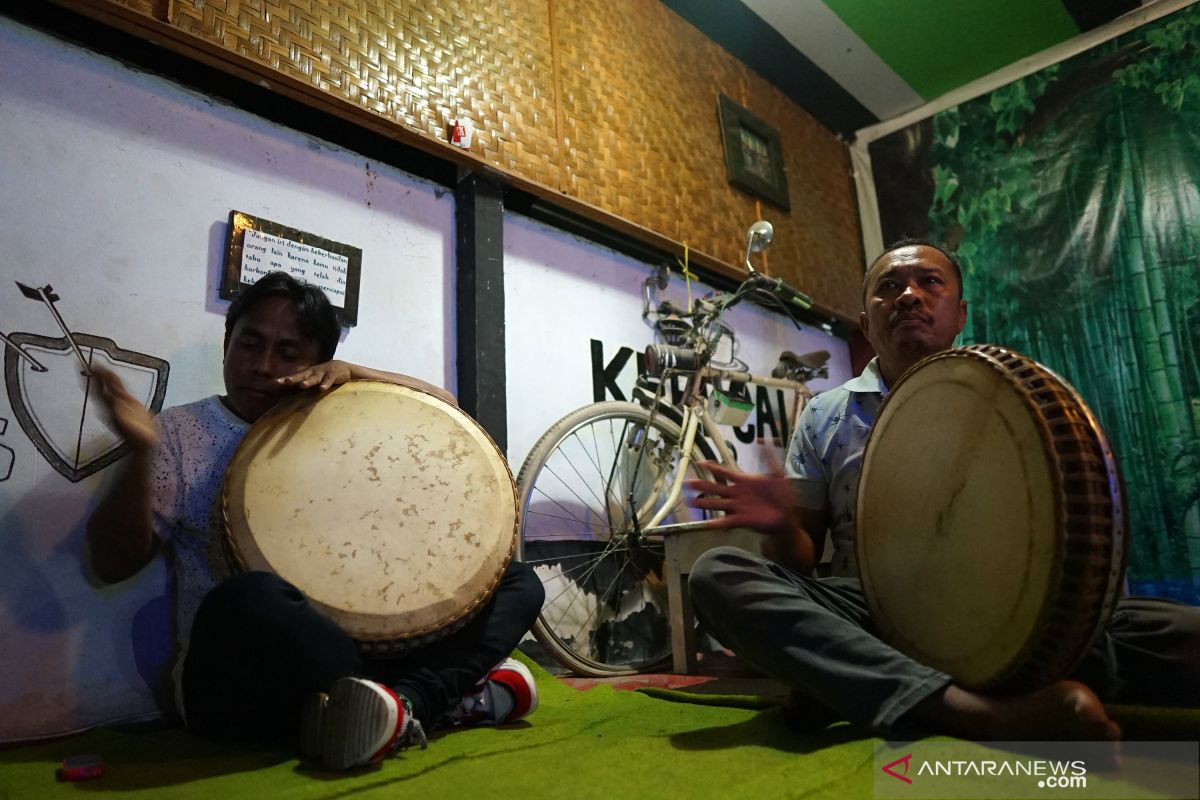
{"x":116,"y":189}
{"x":562,"y":292}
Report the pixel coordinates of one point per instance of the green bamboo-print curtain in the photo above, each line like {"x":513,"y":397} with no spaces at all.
{"x":1071,"y":196}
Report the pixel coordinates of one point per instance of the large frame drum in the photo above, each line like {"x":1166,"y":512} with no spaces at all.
{"x":393,"y":511}
{"x":990,"y":529}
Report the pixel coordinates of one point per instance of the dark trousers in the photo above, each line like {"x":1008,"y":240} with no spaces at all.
{"x":258,"y":649}
{"x":816,"y":636}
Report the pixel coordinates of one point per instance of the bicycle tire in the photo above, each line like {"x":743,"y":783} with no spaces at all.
{"x":578,"y":542}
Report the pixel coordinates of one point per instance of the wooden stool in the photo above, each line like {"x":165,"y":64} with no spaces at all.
{"x":681,"y":551}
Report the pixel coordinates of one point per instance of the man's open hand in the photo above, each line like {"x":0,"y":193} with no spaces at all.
{"x":764,"y":503}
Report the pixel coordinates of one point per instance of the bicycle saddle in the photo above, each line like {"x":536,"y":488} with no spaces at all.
{"x":805,"y":367}
{"x":813,"y":360}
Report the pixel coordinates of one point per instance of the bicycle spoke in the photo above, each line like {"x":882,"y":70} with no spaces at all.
{"x":611,"y":549}
{"x":595,"y":448}
{"x":581,"y":490}
{"x":569,"y":584}
{"x":596,"y":464}
{"x":569,"y":489}
{"x":571,"y":464}
{"x":594,"y":563}
{"x":595,"y":559}
{"x":556,"y":516}
{"x":616,"y":545}
{"x":618,"y":476}
{"x":630,"y":471}
{"x":610,"y":480}
{"x":557,"y":559}
{"x":609,"y":599}
{"x":602,"y":602}
{"x":563,"y":615}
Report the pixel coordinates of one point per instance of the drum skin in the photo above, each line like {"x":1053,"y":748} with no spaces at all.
{"x":392,"y":510}
{"x":990,"y":530}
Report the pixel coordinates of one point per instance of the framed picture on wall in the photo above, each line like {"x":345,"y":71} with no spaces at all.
{"x":257,"y":246}
{"x":753,"y":153}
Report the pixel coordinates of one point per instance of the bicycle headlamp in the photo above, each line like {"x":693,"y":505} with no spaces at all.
{"x":662,"y":357}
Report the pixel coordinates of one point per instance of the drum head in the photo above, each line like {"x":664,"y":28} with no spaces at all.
{"x":392,"y":510}
{"x":961,"y":530}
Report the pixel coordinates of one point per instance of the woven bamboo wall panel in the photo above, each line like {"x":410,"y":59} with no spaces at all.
{"x":420,"y":63}
{"x":151,"y":8}
{"x":641,"y":139}
{"x":612,"y":102}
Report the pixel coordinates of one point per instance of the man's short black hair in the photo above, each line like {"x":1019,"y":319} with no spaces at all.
{"x":316,"y":317}
{"x":912,"y":241}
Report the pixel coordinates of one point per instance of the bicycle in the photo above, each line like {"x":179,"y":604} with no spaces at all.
{"x":600,"y":493}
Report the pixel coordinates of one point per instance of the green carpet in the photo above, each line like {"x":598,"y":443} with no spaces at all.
{"x":1138,"y":723}
{"x":600,"y":743}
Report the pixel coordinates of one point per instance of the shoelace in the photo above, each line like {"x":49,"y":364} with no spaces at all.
{"x":472,"y":704}
{"x":414,"y":733}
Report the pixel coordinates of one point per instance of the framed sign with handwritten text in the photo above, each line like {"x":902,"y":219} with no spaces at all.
{"x":257,"y":246}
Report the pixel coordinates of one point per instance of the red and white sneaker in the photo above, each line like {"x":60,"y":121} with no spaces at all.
{"x":506,"y":694}
{"x":357,"y":723}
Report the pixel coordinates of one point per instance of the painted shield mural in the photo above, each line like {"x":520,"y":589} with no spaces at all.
{"x":57,"y":408}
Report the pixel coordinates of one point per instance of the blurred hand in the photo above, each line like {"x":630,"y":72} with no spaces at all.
{"x":765,"y":503}
{"x":132,"y":420}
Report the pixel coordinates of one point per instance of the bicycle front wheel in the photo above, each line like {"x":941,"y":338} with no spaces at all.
{"x":581,"y":488}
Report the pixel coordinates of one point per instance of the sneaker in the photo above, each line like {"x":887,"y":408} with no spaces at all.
{"x":506,"y":694}
{"x":358,"y":723}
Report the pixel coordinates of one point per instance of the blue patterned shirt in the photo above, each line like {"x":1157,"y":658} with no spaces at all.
{"x":826,"y":453}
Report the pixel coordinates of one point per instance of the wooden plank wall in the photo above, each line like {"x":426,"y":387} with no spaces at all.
{"x":607,"y":106}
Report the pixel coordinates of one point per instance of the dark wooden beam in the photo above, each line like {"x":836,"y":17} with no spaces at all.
{"x":479,"y":270}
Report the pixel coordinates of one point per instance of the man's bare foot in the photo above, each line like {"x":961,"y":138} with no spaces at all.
{"x":1066,"y":710}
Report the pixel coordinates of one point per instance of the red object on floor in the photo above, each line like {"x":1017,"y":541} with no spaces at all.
{"x":633,"y":682}
{"x":81,"y":768}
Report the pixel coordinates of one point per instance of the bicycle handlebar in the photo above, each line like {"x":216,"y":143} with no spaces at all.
{"x":758,"y":281}
{"x":780,"y":289}
{"x":667,"y":307}
{"x":705,"y":316}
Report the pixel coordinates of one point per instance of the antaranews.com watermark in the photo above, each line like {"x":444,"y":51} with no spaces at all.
{"x":935,"y":769}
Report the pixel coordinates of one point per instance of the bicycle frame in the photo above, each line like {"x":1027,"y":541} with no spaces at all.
{"x":696,"y":416}
{"x":601,"y":542}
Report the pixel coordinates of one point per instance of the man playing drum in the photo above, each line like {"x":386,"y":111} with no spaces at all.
{"x":255,"y":660}
{"x":816,"y":634}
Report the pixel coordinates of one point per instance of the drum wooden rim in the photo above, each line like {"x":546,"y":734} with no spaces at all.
{"x":375,"y":630}
{"x":1088,"y":499}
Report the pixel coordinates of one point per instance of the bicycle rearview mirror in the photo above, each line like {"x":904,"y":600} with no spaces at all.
{"x":658,"y":280}
{"x":662,"y":274}
{"x":758,"y":239}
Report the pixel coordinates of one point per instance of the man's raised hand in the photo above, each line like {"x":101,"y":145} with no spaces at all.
{"x":131,"y":419}
{"x":764,"y":503}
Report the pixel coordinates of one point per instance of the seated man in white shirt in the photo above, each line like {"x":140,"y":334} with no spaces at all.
{"x":254,"y":659}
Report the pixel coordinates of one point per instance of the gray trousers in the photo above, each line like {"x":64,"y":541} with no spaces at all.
{"x":816,"y":636}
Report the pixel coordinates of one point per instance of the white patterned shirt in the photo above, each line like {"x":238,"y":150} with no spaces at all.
{"x":826,"y":453}
{"x":198,"y":440}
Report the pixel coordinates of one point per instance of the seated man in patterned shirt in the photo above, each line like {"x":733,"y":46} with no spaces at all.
{"x":816,"y":634}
